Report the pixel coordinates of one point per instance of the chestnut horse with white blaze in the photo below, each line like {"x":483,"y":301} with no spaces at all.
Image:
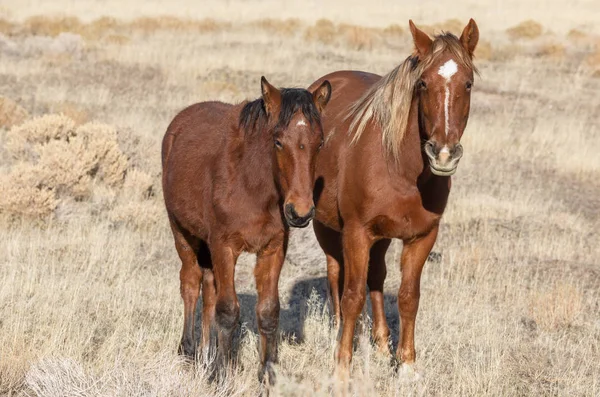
{"x":391,"y":145}
{"x":235,"y":178}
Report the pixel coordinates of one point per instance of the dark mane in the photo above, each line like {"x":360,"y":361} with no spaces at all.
{"x":253,"y":116}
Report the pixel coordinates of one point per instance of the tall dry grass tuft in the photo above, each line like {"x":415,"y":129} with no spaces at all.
{"x":556,"y":307}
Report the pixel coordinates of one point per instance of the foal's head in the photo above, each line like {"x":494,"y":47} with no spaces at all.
{"x":294,"y":124}
{"x":444,"y":91}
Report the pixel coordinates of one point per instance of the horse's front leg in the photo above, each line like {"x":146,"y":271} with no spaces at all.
{"x":356,"y":245}
{"x":268,"y":268}
{"x":227,"y":307}
{"x":414,"y":255}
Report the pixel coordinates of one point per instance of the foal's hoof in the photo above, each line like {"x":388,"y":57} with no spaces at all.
{"x":267,"y":371}
{"x":187,"y":352}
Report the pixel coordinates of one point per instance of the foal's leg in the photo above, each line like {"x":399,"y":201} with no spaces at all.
{"x":357,"y":244}
{"x":375,"y":280}
{"x":331,"y":243}
{"x":227,"y":306}
{"x":190,"y":277}
{"x":209,"y":297}
{"x":268,"y":267}
{"x":414,"y":255}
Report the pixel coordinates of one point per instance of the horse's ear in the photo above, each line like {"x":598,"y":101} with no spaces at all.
{"x":422,"y":41}
{"x":470,"y":37}
{"x":322,"y":95}
{"x":271,"y":96}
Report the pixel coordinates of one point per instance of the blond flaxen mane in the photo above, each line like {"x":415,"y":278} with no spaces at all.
{"x":388,"y":101}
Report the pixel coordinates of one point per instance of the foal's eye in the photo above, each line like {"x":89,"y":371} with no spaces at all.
{"x":469,"y":85}
{"x":320,"y":145}
{"x":278,"y":144}
{"x":421,"y":85}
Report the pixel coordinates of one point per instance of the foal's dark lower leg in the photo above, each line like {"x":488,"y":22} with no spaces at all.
{"x":267,"y":270}
{"x":227,"y":307}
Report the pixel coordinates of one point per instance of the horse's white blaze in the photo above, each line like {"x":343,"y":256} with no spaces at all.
{"x":301,"y":122}
{"x":445,"y":149}
{"x":447,"y":70}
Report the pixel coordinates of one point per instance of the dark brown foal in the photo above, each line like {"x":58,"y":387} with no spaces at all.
{"x":235,"y":177}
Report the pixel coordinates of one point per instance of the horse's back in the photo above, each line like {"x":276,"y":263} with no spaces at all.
{"x":192,"y":146}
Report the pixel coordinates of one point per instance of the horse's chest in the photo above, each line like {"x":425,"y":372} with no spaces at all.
{"x":405,"y":219}
{"x":256,"y":232}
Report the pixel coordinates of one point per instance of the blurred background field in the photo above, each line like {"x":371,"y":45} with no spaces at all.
{"x":89,"y":285}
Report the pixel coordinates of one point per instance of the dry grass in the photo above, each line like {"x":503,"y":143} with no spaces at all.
{"x":89,"y":294}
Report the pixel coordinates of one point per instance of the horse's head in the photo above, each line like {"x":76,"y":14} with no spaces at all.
{"x":295,"y":125}
{"x":444,"y":92}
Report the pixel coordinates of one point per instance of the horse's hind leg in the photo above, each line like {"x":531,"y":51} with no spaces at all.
{"x":375,"y":280}
{"x":331,"y":243}
{"x":268,"y":268}
{"x":190,"y":277}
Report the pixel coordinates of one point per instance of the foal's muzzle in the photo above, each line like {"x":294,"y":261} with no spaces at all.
{"x":443,"y":161}
{"x":295,"y":219}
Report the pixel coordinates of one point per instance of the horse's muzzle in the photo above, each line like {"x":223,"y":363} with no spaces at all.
{"x":298,"y":220}
{"x":443,"y":161}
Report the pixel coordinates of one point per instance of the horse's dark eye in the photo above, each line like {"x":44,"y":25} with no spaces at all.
{"x":320,"y":145}
{"x":469,"y":85}
{"x":421,"y":85}
{"x":278,"y":144}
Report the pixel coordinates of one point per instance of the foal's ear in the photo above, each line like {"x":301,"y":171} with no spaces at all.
{"x":470,"y":37}
{"x":422,"y":41}
{"x":322,"y":95}
{"x":271,"y":96}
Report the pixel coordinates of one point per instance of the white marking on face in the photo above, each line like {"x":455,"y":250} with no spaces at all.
{"x":445,"y":149}
{"x":301,"y":122}
{"x":447,"y":70}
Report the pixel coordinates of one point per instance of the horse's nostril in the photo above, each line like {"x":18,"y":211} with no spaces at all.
{"x":291,"y":211}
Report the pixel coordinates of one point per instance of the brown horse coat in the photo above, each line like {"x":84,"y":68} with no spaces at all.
{"x":392,"y":143}
{"x":234,"y":178}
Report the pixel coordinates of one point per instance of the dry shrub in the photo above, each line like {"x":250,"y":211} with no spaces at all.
{"x":6,"y":27}
{"x":150,"y":25}
{"x":556,"y":307}
{"x":525,"y":30}
{"x":576,"y":35}
{"x":11,"y":113}
{"x":324,"y":31}
{"x":358,"y":37}
{"x":352,"y":36}
{"x":42,"y":25}
{"x":393,"y":30}
{"x":552,"y":50}
{"x":593,"y":59}
{"x":286,"y":26}
{"x":54,"y":161}
{"x":483,"y":50}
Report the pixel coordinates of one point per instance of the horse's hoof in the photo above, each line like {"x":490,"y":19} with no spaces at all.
{"x":267,"y":371}
{"x":187,"y":352}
